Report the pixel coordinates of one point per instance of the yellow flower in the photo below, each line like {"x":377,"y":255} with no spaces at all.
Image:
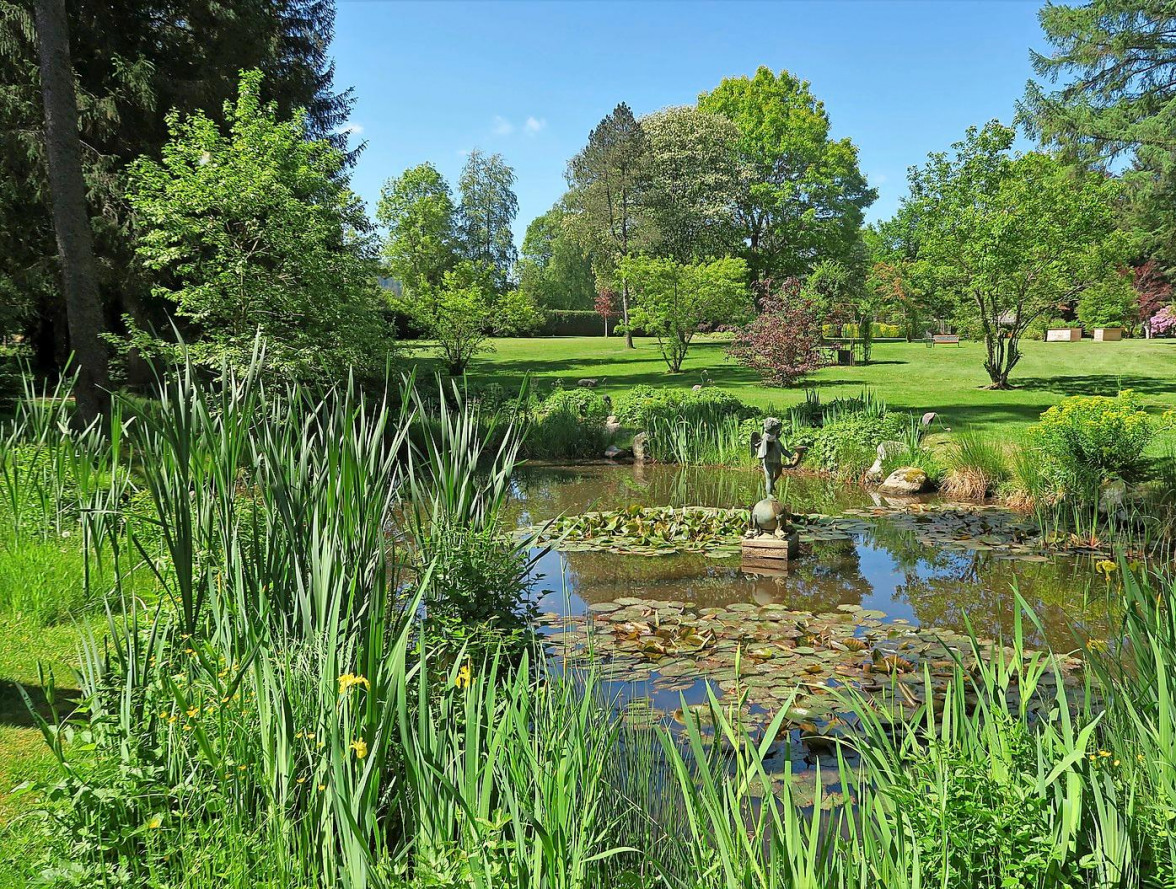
{"x":462,"y":680}
{"x":359,"y":745}
{"x":1107,"y":567}
{"x":193,"y":712}
{"x":156,"y":822}
{"x":300,"y":781}
{"x":322,"y":787}
{"x":349,"y":681}
{"x":1104,"y":753}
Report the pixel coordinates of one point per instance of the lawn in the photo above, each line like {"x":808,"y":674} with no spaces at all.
{"x":910,"y":376}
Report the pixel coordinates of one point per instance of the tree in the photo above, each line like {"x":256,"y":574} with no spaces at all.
{"x":783,"y":343}
{"x":488,"y":207}
{"x":418,"y":211}
{"x":70,"y":218}
{"x":605,"y":305}
{"x":607,"y":181}
{"x":694,"y":183}
{"x":1117,"y":59}
{"x":458,"y":315}
{"x":554,"y":270}
{"x":672,"y":299}
{"x":1012,"y":235}
{"x":255,"y":229}
{"x":133,"y":62}
{"x":1153,"y":289}
{"x":805,"y":196}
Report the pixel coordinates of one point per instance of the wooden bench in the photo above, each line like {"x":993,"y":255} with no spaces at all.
{"x":945,"y":339}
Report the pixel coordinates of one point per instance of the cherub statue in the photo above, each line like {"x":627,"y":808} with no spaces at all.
{"x":768,"y":450}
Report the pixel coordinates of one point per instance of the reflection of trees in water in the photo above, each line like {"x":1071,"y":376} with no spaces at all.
{"x":830,"y":576}
{"x":544,"y":492}
{"x":981,"y":590}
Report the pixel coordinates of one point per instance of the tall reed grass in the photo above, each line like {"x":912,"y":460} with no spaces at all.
{"x":277,"y":716}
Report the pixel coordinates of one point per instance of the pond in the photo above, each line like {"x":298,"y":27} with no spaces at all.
{"x":898,"y":586}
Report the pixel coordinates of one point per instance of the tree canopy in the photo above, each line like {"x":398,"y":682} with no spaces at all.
{"x":253,"y":229}
{"x":417,"y":209}
{"x":484,"y":216}
{"x":805,"y":195}
{"x":1012,"y":236}
{"x":672,"y":300}
{"x":554,"y":270}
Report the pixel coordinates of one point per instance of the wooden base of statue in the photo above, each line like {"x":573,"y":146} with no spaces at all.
{"x":770,"y":551}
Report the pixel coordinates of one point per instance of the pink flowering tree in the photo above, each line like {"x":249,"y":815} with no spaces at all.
{"x":1163,"y":322}
{"x":783,"y":343}
{"x":605,"y":305}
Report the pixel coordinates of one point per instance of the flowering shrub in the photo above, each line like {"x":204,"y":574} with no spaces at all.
{"x":1163,"y":322}
{"x":1088,"y":438}
{"x":783,"y":344}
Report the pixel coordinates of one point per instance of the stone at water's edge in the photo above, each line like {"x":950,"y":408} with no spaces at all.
{"x":612,"y":452}
{"x":905,"y":480}
{"x":639,"y":441}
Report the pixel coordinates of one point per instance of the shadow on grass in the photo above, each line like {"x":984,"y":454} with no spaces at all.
{"x":14,"y":712}
{"x":1095,"y":384}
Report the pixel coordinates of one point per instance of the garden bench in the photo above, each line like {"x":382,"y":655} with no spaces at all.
{"x":945,"y":339}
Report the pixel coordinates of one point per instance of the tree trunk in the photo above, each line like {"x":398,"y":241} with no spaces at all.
{"x":71,"y":221}
{"x":625,"y":314}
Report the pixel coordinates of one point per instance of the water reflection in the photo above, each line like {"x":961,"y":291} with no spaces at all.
{"x":885,"y":568}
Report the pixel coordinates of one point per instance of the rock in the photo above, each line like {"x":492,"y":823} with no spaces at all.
{"x":905,"y":480}
{"x":612,"y":452}
{"x":587,"y":383}
{"x":1111,"y":497}
{"x":639,"y":441}
{"x":886,"y":450}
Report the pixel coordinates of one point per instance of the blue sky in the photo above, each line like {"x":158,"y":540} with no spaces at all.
{"x":530,"y":80}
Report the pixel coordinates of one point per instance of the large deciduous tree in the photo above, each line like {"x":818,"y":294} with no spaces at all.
{"x":418,"y":211}
{"x":1113,"y":63}
{"x":488,"y":208}
{"x":695,"y":183}
{"x":607,"y":182}
{"x":554,"y":271}
{"x":672,"y":300}
{"x":71,"y":220}
{"x":255,"y":229}
{"x":1012,"y":235}
{"x":805,"y":195}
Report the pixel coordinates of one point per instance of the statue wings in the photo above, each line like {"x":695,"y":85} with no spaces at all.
{"x":756,"y":438}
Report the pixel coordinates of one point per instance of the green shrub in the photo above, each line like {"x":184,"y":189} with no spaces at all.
{"x":1087,"y":439}
{"x":1108,"y":304}
{"x":642,"y":405}
{"x":848,"y":445}
{"x":568,"y":423}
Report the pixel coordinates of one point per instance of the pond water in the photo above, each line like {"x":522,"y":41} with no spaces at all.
{"x":884,"y":568}
{"x":866,"y":610}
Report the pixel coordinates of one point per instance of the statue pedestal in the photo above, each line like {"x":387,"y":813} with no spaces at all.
{"x":770,"y":551}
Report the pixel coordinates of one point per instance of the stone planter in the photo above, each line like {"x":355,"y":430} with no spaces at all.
{"x":1108,"y":334}
{"x":1063,"y":335}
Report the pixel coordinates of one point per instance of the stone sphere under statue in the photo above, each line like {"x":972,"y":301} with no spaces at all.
{"x":769,"y":515}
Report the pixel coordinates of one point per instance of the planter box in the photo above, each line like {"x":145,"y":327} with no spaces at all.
{"x":1108,"y":334}
{"x":1063,"y":335}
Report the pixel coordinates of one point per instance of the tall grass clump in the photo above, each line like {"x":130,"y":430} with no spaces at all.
{"x":978,"y":465}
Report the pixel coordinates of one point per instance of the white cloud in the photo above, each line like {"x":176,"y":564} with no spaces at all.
{"x":350,"y":129}
{"x":877,"y":178}
{"x":534,"y":125}
{"x":502,"y":126}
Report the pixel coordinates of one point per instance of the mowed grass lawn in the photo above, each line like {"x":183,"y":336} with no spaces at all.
{"x":910,"y":376}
